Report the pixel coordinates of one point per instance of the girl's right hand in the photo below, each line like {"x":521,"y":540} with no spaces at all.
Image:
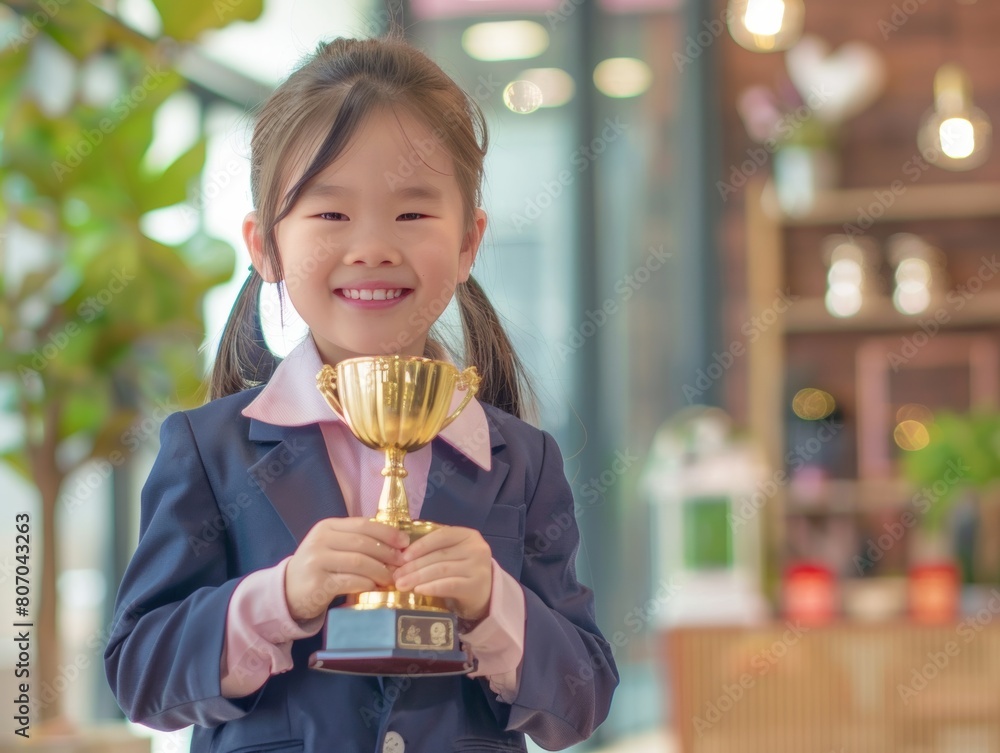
{"x":340,"y":556}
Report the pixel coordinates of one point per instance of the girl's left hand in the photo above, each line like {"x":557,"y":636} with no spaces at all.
{"x":454,"y":563}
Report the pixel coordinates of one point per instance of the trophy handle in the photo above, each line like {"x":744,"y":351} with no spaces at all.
{"x":468,"y":380}
{"x":326,"y":381}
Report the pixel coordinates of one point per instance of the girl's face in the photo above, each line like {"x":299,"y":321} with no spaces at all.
{"x":374,"y":247}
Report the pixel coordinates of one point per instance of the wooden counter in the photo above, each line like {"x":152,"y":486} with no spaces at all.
{"x":845,"y":688}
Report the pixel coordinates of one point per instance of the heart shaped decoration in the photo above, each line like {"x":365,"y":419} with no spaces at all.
{"x":843,"y":83}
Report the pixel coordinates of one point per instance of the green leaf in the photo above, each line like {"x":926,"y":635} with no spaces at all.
{"x":13,"y":61}
{"x":85,"y":410}
{"x":171,"y":186}
{"x":18,"y":462}
{"x":186,"y":20}
{"x":112,"y":437}
{"x":80,"y":27}
{"x":213,"y":260}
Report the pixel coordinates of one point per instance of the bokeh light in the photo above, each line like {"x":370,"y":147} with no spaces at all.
{"x":911,"y":435}
{"x":622,"y":77}
{"x":505,"y":40}
{"x":522,"y":97}
{"x":813,"y":404}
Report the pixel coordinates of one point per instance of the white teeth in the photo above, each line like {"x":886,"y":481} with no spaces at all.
{"x":380,"y":294}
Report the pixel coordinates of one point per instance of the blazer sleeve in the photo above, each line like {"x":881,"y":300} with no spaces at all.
{"x":163,"y":654}
{"x":568,"y":674}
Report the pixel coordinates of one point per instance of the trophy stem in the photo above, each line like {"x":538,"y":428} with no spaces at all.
{"x":393,"y":506}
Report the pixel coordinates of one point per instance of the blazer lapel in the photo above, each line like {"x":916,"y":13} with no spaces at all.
{"x":295,"y":475}
{"x":459,"y":492}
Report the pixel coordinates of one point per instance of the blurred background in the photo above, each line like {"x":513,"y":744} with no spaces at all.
{"x":748,"y":249}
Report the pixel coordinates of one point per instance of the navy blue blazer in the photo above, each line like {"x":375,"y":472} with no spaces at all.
{"x":229,"y":495}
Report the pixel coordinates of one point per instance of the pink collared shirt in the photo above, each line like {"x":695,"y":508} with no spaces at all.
{"x":259,"y":628}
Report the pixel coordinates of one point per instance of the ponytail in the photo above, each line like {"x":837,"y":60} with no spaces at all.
{"x":243,"y":360}
{"x":505,"y":382}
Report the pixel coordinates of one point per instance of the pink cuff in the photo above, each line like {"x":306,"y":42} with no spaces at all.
{"x":259,"y":632}
{"x":498,"y":640}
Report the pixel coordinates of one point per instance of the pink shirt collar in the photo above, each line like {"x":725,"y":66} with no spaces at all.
{"x":290,"y":398}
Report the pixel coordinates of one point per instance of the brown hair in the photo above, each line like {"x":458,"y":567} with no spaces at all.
{"x":345,"y":81}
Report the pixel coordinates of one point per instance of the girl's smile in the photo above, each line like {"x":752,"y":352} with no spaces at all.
{"x":374,"y":294}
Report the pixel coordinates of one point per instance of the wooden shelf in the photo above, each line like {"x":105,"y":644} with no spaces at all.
{"x":809,"y":315}
{"x":910,"y":201}
{"x":844,"y":496}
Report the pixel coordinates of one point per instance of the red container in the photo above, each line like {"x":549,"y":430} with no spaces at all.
{"x":934,"y":593}
{"x":809,"y":594}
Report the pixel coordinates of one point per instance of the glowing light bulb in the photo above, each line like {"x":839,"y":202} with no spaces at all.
{"x":765,"y":25}
{"x":764,"y":16}
{"x":846,"y":277}
{"x":958,"y":137}
{"x":919,"y":272}
{"x":955,"y":134}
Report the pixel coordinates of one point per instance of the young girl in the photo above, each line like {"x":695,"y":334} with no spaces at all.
{"x":366,"y":172}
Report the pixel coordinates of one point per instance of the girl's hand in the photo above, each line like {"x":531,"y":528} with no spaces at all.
{"x":340,"y":556}
{"x":454,"y":563}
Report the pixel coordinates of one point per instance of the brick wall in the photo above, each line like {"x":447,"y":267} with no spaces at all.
{"x":875,"y":146}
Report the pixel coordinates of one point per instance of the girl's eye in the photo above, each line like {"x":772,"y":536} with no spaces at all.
{"x":410,"y":216}
{"x":332,"y":216}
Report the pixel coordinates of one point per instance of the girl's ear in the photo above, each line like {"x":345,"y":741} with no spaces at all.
{"x":254,"y":238}
{"x":470,"y":246}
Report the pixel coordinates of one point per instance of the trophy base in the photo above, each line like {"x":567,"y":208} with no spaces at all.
{"x":391,"y":642}
{"x":393,"y":663}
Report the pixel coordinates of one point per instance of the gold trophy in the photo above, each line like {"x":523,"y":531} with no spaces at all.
{"x":396,"y":404}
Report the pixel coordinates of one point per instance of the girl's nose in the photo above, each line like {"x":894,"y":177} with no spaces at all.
{"x":373,"y":249}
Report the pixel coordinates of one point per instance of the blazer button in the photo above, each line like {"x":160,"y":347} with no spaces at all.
{"x":393,"y":743}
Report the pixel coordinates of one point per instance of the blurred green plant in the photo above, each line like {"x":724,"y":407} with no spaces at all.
{"x":98,"y":321}
{"x":962,"y":446}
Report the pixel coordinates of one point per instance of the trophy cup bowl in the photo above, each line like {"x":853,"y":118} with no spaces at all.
{"x":396,"y":404}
